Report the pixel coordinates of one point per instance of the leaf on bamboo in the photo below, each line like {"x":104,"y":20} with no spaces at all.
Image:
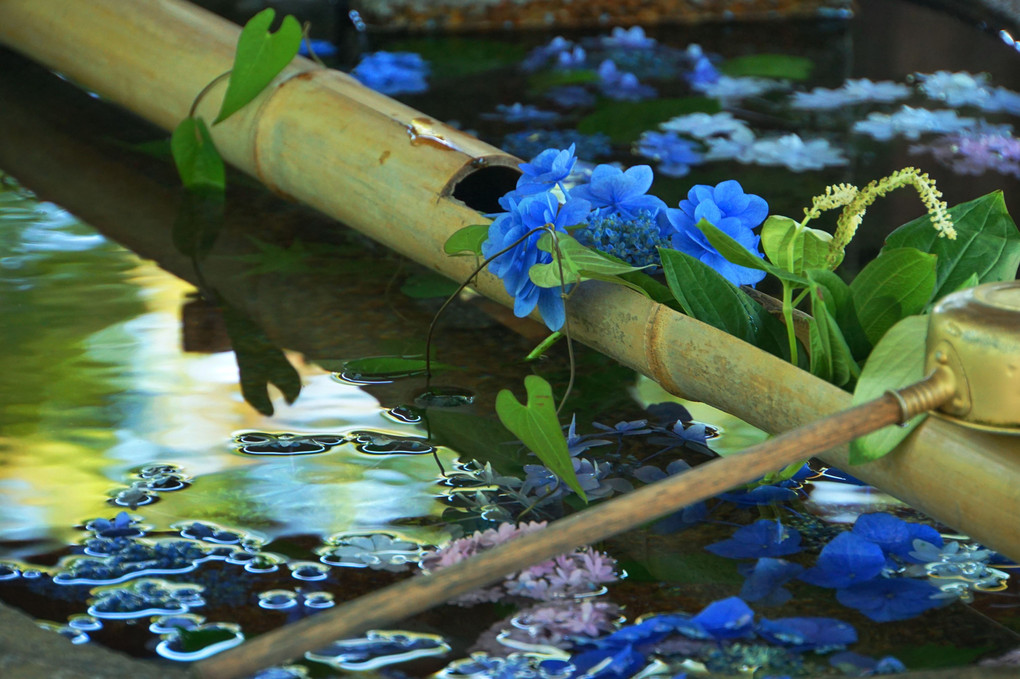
{"x":578,"y":263}
{"x":536,"y":425}
{"x":896,"y":362}
{"x":793,"y":247}
{"x":197,"y":160}
{"x":260,"y":57}
{"x":467,"y":240}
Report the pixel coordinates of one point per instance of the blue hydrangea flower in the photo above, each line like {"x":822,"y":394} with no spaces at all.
{"x":322,"y":48}
{"x":635,"y":241}
{"x":522,"y":113}
{"x":729,"y":209}
{"x":821,"y":635}
{"x":392,"y":72}
{"x":847,"y":560}
{"x":674,"y":154}
{"x":894,"y":535}
{"x":570,"y":96}
{"x":540,"y":56}
{"x":857,"y":665}
{"x":529,"y":143}
{"x":617,"y":84}
{"x":762,"y":538}
{"x":726,"y":619}
{"x":531,"y":212}
{"x":888,"y":599}
{"x":614,"y":191}
{"x":628,"y":38}
{"x":546,"y":170}
{"x":702,"y":71}
{"x":765,"y":580}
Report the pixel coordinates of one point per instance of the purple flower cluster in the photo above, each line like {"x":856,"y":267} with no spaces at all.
{"x":565,"y":576}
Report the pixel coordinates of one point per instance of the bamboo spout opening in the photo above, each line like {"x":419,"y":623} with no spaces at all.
{"x":482,"y":185}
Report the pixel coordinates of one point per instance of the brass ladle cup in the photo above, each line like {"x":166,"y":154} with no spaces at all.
{"x":973,"y":357}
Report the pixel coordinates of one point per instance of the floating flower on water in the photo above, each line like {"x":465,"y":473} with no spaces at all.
{"x":554,"y":623}
{"x":122,"y":525}
{"x":821,"y":635}
{"x":572,"y":58}
{"x":852,"y":92}
{"x":321,"y":48}
{"x":765,"y":580}
{"x":792,"y":152}
{"x":628,"y":38}
{"x":144,"y":598}
{"x":857,"y":665}
{"x":540,"y":56}
{"x":565,"y":576}
{"x":278,"y":599}
{"x":530,"y":143}
{"x":521,"y":113}
{"x":532,"y":212}
{"x":702,"y":73}
{"x":167,"y":624}
{"x":729,"y":618}
{"x":120,"y":559}
{"x":704,"y":125}
{"x":264,"y":443}
{"x":894,"y":535}
{"x":378,"y":443}
{"x":955,"y":89}
{"x":888,"y":599}
{"x":570,"y":96}
{"x":729,"y":209}
{"x":728,"y":89}
{"x":847,"y":560}
{"x":615,"y":191}
{"x":912,"y":123}
{"x":975,"y":154}
{"x":379,"y":551}
{"x":674,"y":154}
{"x":308,"y":571}
{"x":762,"y":538}
{"x":617,"y":84}
{"x":393,"y":72}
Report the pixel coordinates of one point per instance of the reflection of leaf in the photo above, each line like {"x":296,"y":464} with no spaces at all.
{"x":624,"y":121}
{"x":933,"y":656}
{"x":198,"y":162}
{"x":390,"y":366}
{"x":428,"y":285}
{"x":987,"y":243}
{"x":260,"y":363}
{"x":537,"y":426}
{"x":199,"y":221}
{"x":475,"y":437}
{"x":896,"y":362}
{"x":769,"y":66}
{"x":260,"y":57}
{"x":194,"y":640}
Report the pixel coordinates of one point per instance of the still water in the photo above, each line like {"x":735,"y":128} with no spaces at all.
{"x":119,"y":392}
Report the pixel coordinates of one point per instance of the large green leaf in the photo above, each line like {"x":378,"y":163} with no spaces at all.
{"x":738,"y":254}
{"x":536,"y":425}
{"x":894,"y":285}
{"x":578,"y":263}
{"x":467,"y":240}
{"x":987,"y":243}
{"x":841,"y":304}
{"x":792,"y":247}
{"x":260,"y":57}
{"x":624,"y":121}
{"x":897,"y":361}
{"x":769,"y":66}
{"x":198,"y":162}
{"x":703,"y":293}
{"x":831,"y":358}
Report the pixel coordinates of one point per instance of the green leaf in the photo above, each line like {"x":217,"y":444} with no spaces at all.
{"x":624,"y":121}
{"x":896,"y":362}
{"x":652,"y":288}
{"x":428,"y":285}
{"x":468,"y":239}
{"x":458,"y":56}
{"x":199,"y":221}
{"x":537,"y":426}
{"x":704,"y":294}
{"x":390,"y":367}
{"x":833,"y":361}
{"x":792,"y":247}
{"x":769,"y":66}
{"x":736,"y":253}
{"x":841,"y":303}
{"x":579,"y":262}
{"x":544,"y":80}
{"x":198,"y":162}
{"x":894,"y":285}
{"x":987,"y":243}
{"x":260,"y":57}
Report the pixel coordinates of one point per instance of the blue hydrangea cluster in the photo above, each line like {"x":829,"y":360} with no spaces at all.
{"x":393,"y":72}
{"x":529,"y":143}
{"x":635,"y":241}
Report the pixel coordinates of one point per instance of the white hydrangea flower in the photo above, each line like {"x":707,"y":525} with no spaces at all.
{"x":727,"y":88}
{"x":912,"y":123}
{"x":704,"y":125}
{"x":955,"y":89}
{"x":853,"y":91}
{"x":792,"y":152}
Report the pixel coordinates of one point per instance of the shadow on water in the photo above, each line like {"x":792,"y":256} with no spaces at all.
{"x":101,"y":411}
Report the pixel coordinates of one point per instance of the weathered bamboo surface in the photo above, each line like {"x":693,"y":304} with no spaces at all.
{"x":321,"y":138}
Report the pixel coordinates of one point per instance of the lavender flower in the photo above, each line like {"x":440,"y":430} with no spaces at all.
{"x":851,"y":93}
{"x":674,"y":154}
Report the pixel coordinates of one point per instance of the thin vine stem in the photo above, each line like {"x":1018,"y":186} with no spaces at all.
{"x":205,"y":90}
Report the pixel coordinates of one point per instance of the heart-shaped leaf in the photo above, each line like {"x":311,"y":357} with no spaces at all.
{"x":198,"y":162}
{"x":467,"y":240}
{"x":738,"y":254}
{"x":260,"y":57}
{"x":537,"y":426}
{"x":894,"y":285}
{"x":793,"y":247}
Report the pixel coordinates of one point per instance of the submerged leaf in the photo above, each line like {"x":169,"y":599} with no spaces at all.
{"x":198,"y":162}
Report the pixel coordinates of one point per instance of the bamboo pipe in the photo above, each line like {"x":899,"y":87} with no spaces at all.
{"x":323,"y":139}
{"x":414,"y":595}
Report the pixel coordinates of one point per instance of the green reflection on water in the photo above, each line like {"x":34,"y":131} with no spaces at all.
{"x":94,"y":386}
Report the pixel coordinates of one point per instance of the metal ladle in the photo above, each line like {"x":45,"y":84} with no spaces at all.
{"x":973,"y":358}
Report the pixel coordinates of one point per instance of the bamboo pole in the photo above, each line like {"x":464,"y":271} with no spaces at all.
{"x":321,"y":138}
{"x":384,"y":607}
